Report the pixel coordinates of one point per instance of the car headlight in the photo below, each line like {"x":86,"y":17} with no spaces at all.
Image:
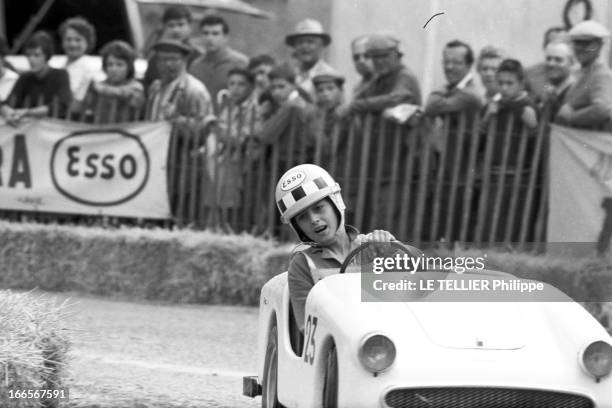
{"x":597,"y":359}
{"x":377,"y":353}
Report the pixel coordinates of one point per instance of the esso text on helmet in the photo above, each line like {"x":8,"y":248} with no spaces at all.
{"x":292,"y":180}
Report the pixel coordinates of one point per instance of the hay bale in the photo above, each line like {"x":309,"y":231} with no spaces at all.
{"x":33,"y":346}
{"x":154,"y":264}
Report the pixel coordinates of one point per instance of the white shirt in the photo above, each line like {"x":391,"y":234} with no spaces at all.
{"x":465,"y":81}
{"x":82,"y":71}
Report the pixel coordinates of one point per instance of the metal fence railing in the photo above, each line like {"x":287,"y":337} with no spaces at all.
{"x":451,"y":178}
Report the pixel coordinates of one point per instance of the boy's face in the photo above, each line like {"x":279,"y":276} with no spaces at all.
{"x":239,"y":88}
{"x":487,"y":70}
{"x":36,"y":58}
{"x":509,"y":85}
{"x":319,"y":222}
{"x":329,"y":94}
{"x":179,"y":29}
{"x":116,"y":69}
{"x":261,"y":72}
{"x":280,"y":89}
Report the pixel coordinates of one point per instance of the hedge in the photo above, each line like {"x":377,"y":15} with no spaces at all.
{"x":202,"y":267}
{"x":178,"y":266}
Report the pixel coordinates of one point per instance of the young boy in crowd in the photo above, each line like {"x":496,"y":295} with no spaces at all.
{"x":260,"y":67}
{"x":329,"y":94}
{"x":514,"y":100}
{"x":287,"y":105}
{"x":317,"y":218}
{"x":283,"y":88}
{"x":329,"y":91}
{"x":119,"y":97}
{"x":516,"y":106}
{"x":177,"y":25}
{"x":237,"y":122}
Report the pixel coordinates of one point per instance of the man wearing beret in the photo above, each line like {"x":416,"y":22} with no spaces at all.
{"x":176,"y":95}
{"x":393,"y":82}
{"x":588,"y":103}
{"x":308,"y":42}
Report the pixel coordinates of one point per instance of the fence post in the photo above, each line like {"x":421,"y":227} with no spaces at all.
{"x":540,"y":231}
{"x":440,"y":179}
{"x":392,"y":199}
{"x":414,"y":136}
{"x":427,"y":150}
{"x":486,"y":180}
{"x":348,"y":180}
{"x":501,"y":179}
{"x":363,"y":174}
{"x":374,"y":199}
{"x":516,"y":186}
{"x":457,"y":159}
{"x":535,"y":171}
{"x":471,"y":176}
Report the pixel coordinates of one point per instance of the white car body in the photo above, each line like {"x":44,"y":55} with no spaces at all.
{"x":519,"y":346}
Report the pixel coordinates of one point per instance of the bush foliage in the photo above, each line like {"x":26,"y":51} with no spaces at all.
{"x":202,"y":267}
{"x":178,"y":266}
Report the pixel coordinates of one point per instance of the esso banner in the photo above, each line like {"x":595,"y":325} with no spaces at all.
{"x":67,"y":167}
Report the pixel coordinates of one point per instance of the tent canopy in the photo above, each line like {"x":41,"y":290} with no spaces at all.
{"x":235,"y":6}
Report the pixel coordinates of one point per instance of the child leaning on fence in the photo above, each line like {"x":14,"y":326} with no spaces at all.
{"x":120,"y":97}
{"x":42,"y":91}
{"x":229,"y":138}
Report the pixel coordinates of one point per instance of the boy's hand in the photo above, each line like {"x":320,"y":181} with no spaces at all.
{"x":380,"y":236}
{"x":376,"y":236}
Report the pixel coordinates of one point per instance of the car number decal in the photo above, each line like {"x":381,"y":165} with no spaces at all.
{"x":310,"y":347}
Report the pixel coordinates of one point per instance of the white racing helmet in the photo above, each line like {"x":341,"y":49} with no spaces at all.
{"x":302,"y":186}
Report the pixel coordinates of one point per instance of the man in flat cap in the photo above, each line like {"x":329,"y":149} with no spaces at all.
{"x":176,"y":95}
{"x":588,"y":103}
{"x":362,"y":63}
{"x":393,"y":82}
{"x":308,"y":41}
{"x":329,"y":88}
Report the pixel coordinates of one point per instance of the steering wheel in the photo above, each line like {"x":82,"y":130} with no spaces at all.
{"x":356,"y":251}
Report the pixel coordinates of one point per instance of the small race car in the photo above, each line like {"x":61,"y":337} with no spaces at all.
{"x":426,"y":354}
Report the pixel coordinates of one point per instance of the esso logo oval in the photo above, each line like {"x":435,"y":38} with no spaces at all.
{"x":293,"y":180}
{"x":100,"y":167}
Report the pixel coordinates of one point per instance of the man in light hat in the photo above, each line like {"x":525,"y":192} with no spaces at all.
{"x":176,"y":95}
{"x":588,"y":103}
{"x":393,"y":82}
{"x":308,"y":42}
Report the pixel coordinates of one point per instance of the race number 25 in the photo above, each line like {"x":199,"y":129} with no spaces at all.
{"x":309,"y":343}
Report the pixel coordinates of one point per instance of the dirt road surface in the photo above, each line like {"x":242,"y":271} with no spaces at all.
{"x":148,"y":355}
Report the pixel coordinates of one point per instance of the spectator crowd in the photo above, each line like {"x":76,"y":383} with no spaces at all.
{"x":239,"y":100}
